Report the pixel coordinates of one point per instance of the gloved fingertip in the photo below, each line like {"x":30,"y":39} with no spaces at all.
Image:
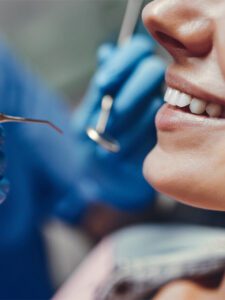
{"x":105,"y":81}
{"x":155,"y":65}
{"x":143,"y":42}
{"x":101,"y":80}
{"x":104,"y":53}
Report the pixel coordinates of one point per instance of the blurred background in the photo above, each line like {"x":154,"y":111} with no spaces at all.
{"x":59,"y":38}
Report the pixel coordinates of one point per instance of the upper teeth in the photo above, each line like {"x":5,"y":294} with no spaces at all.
{"x":197,"y":106}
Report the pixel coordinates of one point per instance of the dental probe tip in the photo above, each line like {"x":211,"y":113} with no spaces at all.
{"x":56,"y":128}
{"x":6,"y":118}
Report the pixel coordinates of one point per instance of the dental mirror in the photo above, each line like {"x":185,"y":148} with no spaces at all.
{"x":98,"y":134}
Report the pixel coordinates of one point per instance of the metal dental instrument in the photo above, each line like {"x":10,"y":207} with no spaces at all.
{"x":98,"y":134}
{"x":6,"y":118}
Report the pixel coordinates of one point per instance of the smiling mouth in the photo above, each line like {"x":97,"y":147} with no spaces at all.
{"x":189,"y":104}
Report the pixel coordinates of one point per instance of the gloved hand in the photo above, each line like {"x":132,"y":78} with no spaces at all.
{"x":133,"y":75}
{"x":4,"y":184}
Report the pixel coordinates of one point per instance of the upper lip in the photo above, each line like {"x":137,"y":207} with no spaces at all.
{"x":181,"y":84}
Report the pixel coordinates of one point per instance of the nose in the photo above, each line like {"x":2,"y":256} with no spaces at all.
{"x":179,"y":27}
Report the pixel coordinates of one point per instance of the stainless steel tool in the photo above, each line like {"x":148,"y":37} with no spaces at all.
{"x":6,"y":118}
{"x":99,"y":134}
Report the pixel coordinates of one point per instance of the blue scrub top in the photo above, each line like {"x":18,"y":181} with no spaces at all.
{"x":41,"y":168}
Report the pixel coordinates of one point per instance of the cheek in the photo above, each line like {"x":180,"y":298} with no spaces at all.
{"x":189,"y":175}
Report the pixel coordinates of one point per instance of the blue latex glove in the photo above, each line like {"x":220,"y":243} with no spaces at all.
{"x":133,"y":75}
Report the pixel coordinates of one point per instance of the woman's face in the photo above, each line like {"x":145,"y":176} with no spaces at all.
{"x":188,"y":162}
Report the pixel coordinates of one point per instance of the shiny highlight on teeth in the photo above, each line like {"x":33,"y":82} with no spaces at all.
{"x":196,"y":106}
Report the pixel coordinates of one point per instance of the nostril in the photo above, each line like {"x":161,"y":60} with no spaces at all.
{"x":169,"y":41}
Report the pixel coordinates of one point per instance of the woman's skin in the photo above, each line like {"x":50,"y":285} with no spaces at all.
{"x":220,"y":41}
{"x":187,"y":290}
{"x":188,"y":162}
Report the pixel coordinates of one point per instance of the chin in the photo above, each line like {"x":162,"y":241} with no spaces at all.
{"x":184,"y":179}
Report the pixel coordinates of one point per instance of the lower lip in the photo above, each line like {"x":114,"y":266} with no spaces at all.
{"x":170,"y":118}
